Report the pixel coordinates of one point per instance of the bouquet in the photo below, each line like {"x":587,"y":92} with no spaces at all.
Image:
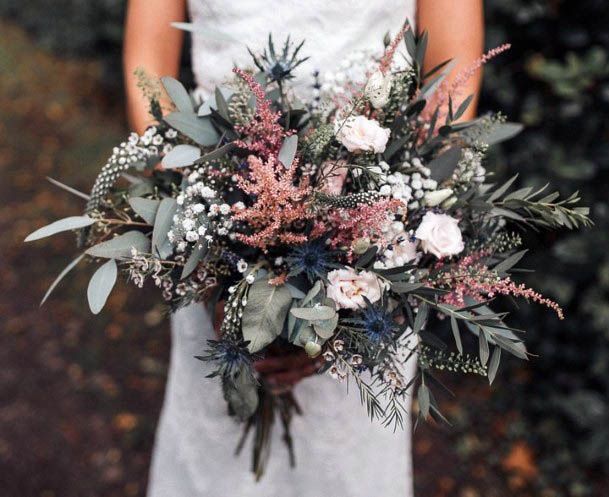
{"x":350,"y":223}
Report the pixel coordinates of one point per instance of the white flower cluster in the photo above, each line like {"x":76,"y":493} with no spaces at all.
{"x":200,"y":214}
{"x":411,"y":187}
{"x":154,"y":141}
{"x":132,"y":153}
{"x":401,"y":250}
{"x":470,"y":169}
{"x":352,"y":70}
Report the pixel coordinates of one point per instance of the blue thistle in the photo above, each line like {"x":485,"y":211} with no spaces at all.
{"x":313,"y":259}
{"x":232,"y":358}
{"x":377,"y":323}
{"x":279,"y":66}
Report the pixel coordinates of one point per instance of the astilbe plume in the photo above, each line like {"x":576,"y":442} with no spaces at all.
{"x":387,"y":59}
{"x":470,"y":278}
{"x":263,"y":134}
{"x":364,"y":221}
{"x":453,"y":89}
{"x":279,"y":203}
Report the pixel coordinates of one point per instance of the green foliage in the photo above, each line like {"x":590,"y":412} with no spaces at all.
{"x":555,"y":80}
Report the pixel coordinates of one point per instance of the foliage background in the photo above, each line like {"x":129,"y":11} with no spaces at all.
{"x":79,"y":397}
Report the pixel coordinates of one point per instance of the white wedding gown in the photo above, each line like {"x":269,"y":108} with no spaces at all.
{"x":339,"y":451}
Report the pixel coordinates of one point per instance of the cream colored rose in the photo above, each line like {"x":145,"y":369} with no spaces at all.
{"x":378,"y":89}
{"x":358,"y":133}
{"x":348,"y":288}
{"x":440,"y":235}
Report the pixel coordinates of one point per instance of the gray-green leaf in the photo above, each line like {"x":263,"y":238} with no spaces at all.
{"x":162,"y":225}
{"x":287,"y":152}
{"x":316,"y":313}
{"x":264,"y":314}
{"x":120,"y":247}
{"x":193,"y":261}
{"x":65,"y":271}
{"x":198,"y":129}
{"x":178,"y":94}
{"x":65,"y":224}
{"x":145,"y":208}
{"x":181,"y":156}
{"x":101,"y":285}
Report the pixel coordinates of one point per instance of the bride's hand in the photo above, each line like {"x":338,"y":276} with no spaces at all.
{"x":280,"y":371}
{"x":284,"y":371}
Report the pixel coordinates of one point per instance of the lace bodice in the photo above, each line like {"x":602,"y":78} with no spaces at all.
{"x":331,"y":29}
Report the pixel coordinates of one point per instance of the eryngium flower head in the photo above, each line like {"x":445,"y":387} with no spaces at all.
{"x":279,"y":66}
{"x":377,"y":323}
{"x":230,"y":357}
{"x":313,"y":259}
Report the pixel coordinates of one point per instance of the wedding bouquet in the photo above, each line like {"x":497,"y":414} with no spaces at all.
{"x":344,"y":224}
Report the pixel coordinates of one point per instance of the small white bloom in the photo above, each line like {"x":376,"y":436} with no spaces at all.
{"x":202,"y":230}
{"x":239,"y":205}
{"x":242,"y":266}
{"x":198,"y":208}
{"x":250,"y":279}
{"x":180,"y":199}
{"x":188,"y":224}
{"x":385,"y":190}
{"x":192,"y":236}
{"x":440,"y":235}
{"x":224,"y":209}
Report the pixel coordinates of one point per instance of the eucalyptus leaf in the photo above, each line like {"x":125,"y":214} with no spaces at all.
{"x":163,"y":223}
{"x":145,"y":208}
{"x":178,"y":94}
{"x":264,"y":314}
{"x":287,"y":152}
{"x":456,"y":334}
{"x":319,"y":312}
{"x":65,"y":271}
{"x":325,"y":328}
{"x":198,"y":129}
{"x":205,"y":32}
{"x":196,"y":256}
{"x":65,"y":224}
{"x":120,"y":247}
{"x":181,"y":156}
{"x":101,"y":285}
{"x":67,"y":188}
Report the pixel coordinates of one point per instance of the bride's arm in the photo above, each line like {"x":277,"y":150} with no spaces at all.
{"x":151,"y":43}
{"x":456,"y":30}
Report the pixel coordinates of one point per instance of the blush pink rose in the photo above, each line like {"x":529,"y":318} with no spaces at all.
{"x":348,"y":288}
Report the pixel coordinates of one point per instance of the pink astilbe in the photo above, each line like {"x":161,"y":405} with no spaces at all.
{"x":387,"y":59}
{"x":473,"y":279}
{"x":364,"y":221}
{"x":279,"y":203}
{"x":263,"y":134}
{"x":454,"y":88}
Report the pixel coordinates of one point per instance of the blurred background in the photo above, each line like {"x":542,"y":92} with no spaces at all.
{"x":80,"y":396}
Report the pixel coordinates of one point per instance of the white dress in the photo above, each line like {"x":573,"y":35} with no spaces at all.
{"x":339,"y":451}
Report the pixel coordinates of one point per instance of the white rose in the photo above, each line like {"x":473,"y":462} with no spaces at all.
{"x":348,"y":288}
{"x":440,"y":235}
{"x":378,"y":89}
{"x":437,"y":197}
{"x":359,"y":133}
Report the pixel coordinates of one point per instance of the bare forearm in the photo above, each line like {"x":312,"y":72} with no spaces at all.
{"x":152,"y":44}
{"x":456,"y":30}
